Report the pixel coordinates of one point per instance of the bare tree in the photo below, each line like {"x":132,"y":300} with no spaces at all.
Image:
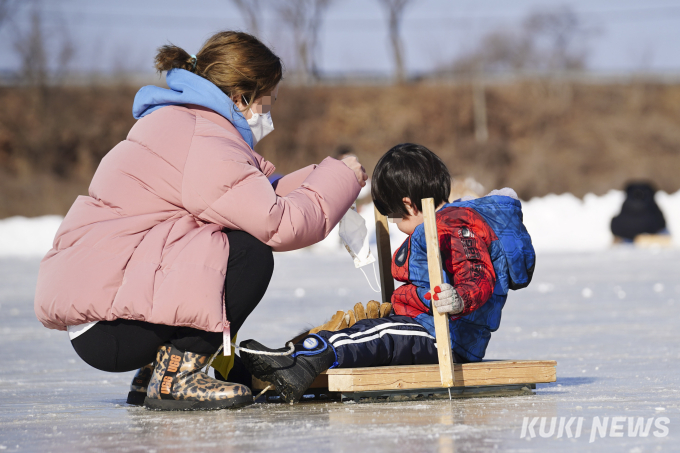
{"x":38,"y":61}
{"x":555,"y":36}
{"x":251,"y":11}
{"x":304,"y":17}
{"x":30,"y":46}
{"x":395,"y":13}
{"x":479,"y":111}
{"x":7,"y":9}
{"x":64,"y":55}
{"x":547,"y":41}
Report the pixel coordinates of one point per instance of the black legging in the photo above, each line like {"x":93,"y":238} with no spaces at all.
{"x":124,"y":345}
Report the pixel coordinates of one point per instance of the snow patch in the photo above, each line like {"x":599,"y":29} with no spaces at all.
{"x":557,"y":223}
{"x":28,"y":237}
{"x":564,"y":223}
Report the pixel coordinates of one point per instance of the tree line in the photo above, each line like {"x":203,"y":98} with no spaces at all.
{"x":551,"y":40}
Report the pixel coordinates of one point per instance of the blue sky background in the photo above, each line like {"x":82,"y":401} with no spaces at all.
{"x":629,"y":36}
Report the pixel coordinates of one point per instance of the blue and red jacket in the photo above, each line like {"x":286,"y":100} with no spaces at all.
{"x":485,"y":250}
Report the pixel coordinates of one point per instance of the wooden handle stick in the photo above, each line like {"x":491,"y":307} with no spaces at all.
{"x":382,"y":238}
{"x":434,"y":266}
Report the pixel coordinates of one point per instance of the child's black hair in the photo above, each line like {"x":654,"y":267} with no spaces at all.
{"x":412,"y":171}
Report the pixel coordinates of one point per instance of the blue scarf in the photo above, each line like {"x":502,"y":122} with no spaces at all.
{"x":189,"y":88}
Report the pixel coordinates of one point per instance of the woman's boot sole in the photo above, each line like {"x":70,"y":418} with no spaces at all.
{"x":187,"y":405}
{"x":136,"y":398}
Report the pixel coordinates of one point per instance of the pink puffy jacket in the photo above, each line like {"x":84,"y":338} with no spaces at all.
{"x":146,"y":244}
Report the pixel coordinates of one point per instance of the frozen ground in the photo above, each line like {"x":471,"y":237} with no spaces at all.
{"x":610,"y":319}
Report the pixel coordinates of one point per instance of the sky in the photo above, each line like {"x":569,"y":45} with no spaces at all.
{"x":625,"y":36}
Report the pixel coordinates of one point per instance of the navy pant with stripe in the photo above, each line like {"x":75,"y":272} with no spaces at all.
{"x":394,"y":340}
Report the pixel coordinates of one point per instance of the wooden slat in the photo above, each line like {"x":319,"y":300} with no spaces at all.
{"x":492,"y":372}
{"x":382,"y":238}
{"x":485,"y":364}
{"x":428,"y":376}
{"x":441,"y":321}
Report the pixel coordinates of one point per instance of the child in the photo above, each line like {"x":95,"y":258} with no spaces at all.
{"x":485,"y":251}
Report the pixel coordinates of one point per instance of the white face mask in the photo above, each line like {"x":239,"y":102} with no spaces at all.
{"x":354,"y":235}
{"x":260,"y":124}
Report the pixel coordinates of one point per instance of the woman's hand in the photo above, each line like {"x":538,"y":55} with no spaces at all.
{"x":353,"y":163}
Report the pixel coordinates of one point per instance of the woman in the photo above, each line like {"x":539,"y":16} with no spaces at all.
{"x":172,"y":249}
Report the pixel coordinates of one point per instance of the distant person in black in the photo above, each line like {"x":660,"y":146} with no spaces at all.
{"x":639,"y":214}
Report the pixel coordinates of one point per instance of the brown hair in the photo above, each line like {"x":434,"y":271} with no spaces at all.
{"x":238,"y":63}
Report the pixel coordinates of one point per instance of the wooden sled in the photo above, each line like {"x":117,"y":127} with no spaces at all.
{"x":448,"y":379}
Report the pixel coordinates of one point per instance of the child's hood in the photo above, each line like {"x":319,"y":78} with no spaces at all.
{"x":513,"y":254}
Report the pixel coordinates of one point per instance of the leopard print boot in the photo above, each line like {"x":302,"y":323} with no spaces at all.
{"x":139,"y":384}
{"x":178,"y":384}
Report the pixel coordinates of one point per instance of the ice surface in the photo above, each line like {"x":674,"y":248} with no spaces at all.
{"x":610,"y":319}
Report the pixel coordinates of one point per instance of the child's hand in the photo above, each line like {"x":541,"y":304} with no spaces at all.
{"x":445,"y":299}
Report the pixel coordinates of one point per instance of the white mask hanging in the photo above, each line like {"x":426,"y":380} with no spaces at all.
{"x":354,"y":236}
{"x":260,"y":124}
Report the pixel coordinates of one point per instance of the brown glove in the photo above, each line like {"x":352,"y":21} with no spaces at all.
{"x":337,"y":322}
{"x":342,"y":320}
{"x":385,"y":309}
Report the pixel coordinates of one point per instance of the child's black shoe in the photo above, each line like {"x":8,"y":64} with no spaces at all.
{"x":292,"y":374}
